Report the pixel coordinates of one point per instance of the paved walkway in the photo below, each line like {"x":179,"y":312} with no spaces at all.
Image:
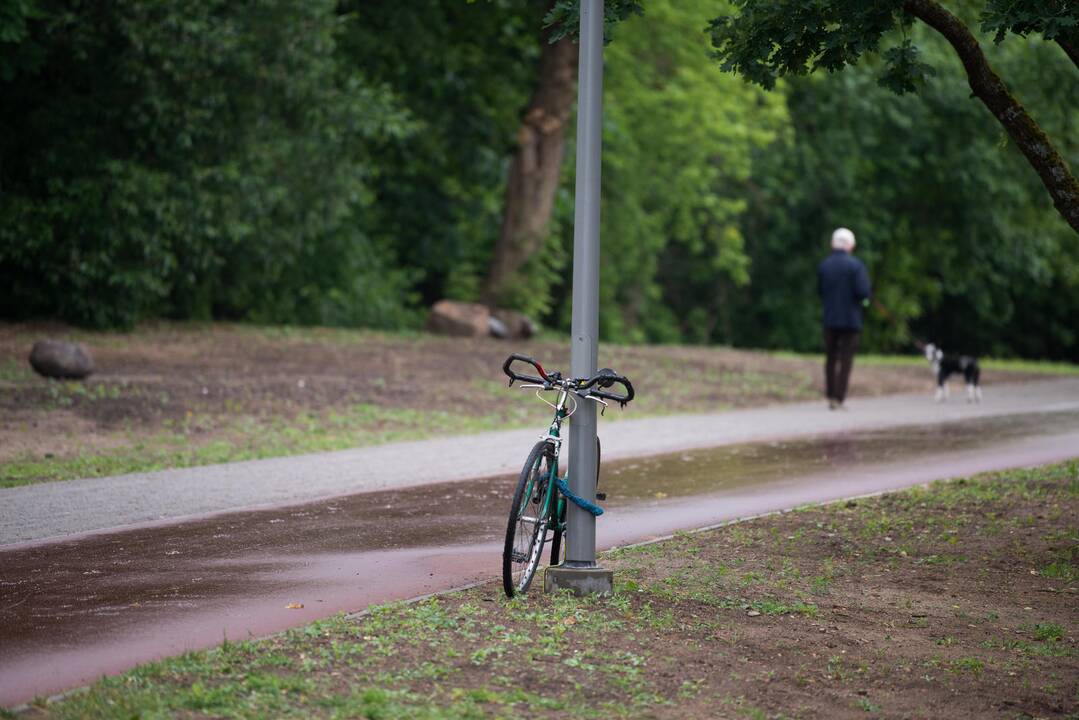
{"x":37,"y":512}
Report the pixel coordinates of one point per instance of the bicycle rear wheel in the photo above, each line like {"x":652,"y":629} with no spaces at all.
{"x":526,"y":530}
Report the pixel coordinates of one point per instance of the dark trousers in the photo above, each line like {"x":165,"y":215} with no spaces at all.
{"x":839,"y":348}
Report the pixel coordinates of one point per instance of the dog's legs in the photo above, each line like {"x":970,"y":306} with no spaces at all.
{"x":970,"y":392}
{"x":947,"y":392}
{"x":942,"y":392}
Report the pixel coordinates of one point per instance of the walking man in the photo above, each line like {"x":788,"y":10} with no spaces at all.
{"x":844,"y":291}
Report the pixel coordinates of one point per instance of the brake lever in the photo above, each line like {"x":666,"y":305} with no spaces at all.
{"x":600,"y":401}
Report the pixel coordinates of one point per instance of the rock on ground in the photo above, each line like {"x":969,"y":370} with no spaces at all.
{"x":459,"y":319}
{"x":61,"y":359}
{"x":518,"y":326}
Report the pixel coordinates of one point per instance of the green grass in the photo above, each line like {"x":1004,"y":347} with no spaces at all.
{"x":14,"y":371}
{"x":868,"y":706}
{"x":150,"y":328}
{"x":1061,"y":570}
{"x":1049,"y":632}
{"x":359,"y":425}
{"x":1016,"y":365}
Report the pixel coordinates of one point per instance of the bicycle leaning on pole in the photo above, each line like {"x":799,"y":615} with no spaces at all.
{"x":539,"y":501}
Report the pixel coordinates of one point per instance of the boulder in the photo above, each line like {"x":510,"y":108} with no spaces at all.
{"x":498,"y":328}
{"x":61,"y":359}
{"x":518,"y":325}
{"x":459,"y":319}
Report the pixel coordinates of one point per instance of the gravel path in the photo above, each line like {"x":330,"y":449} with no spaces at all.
{"x":50,"y":510}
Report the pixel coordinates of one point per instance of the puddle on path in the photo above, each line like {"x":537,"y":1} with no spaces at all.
{"x":714,"y":470}
{"x":70,"y":611}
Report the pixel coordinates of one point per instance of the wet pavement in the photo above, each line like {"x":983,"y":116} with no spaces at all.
{"x":58,"y":510}
{"x":73,"y":610}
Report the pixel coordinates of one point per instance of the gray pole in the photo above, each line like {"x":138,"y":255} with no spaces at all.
{"x":581,"y":525}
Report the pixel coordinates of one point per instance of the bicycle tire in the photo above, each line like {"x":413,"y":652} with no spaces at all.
{"x":556,"y":540}
{"x":524,"y":545}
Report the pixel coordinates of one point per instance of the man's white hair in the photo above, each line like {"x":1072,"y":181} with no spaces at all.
{"x":842,"y":239}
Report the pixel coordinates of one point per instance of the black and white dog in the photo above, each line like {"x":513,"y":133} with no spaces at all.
{"x":947,"y":365}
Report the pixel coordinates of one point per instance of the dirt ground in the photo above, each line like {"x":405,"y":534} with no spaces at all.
{"x":165,"y":373}
{"x":958,"y":600}
{"x":180,"y":394}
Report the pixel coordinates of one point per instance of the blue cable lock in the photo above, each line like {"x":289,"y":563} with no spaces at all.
{"x":576,"y":500}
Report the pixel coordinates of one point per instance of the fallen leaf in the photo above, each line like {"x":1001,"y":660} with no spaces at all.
{"x":753,"y":613}
{"x":294,"y":606}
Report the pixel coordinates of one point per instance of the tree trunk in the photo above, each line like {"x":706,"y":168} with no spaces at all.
{"x":535,"y":167}
{"x":991,"y":90}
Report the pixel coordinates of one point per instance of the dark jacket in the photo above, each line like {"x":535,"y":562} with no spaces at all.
{"x":844,"y":285}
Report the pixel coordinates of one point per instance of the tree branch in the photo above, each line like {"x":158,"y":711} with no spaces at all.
{"x":994,"y":94}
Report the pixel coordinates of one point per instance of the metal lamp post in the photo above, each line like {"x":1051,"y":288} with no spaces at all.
{"x":579,"y":572}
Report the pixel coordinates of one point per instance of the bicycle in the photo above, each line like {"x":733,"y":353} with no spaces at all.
{"x":539,"y":500}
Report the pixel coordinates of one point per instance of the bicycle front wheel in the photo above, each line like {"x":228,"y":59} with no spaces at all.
{"x":526,"y":530}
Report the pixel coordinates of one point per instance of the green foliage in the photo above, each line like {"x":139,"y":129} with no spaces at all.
{"x":963,"y":246}
{"x":1051,"y":18}
{"x":770,"y":39}
{"x":904,"y":72}
{"x":194,"y":159}
{"x":958,"y":235}
{"x":678,"y":137}
{"x":565,"y":17}
{"x":345,"y":163}
{"x":464,"y":71}
{"x":15,"y":52}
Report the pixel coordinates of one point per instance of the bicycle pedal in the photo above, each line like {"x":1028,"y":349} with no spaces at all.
{"x":601,"y":496}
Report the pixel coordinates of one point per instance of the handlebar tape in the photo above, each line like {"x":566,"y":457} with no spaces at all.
{"x":611,"y":380}
{"x":512,"y":375}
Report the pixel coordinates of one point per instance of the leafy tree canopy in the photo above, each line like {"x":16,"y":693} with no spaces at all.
{"x":769,"y":39}
{"x":192,"y":158}
{"x":764,"y":41}
{"x":565,"y":16}
{"x":960,"y":238}
{"x":345,"y":163}
{"x":1054,"y":19}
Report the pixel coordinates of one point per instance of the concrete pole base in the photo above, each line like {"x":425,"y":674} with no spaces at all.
{"x":580,"y":581}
